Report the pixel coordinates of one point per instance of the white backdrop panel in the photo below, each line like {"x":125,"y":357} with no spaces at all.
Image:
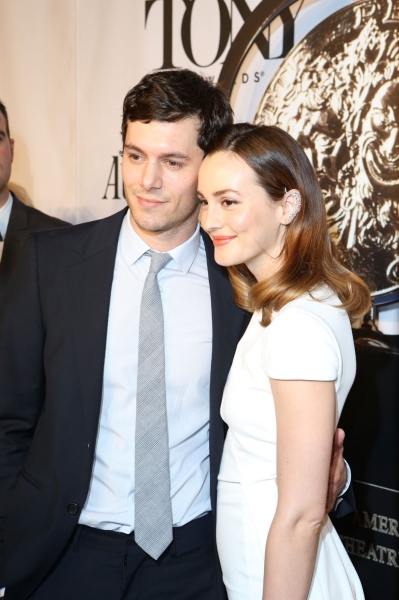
{"x":37,"y":85}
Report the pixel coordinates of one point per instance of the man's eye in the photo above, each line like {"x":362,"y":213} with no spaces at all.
{"x":174,"y":164}
{"x":134,"y":156}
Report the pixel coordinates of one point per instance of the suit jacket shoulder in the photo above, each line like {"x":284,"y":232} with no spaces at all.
{"x":24,"y":220}
{"x":31,"y":219}
{"x":86,"y":239}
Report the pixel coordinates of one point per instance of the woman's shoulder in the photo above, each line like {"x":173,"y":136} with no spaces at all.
{"x":306,"y":337}
{"x":321,"y":304}
{"x":318,"y":314}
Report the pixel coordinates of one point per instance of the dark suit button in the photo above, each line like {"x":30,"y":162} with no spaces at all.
{"x":73,"y":508}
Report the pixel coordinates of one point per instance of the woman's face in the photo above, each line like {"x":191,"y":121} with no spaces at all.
{"x":245,"y":225}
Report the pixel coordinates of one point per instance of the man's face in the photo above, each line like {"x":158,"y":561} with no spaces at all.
{"x":6,"y":157}
{"x":160,"y":169}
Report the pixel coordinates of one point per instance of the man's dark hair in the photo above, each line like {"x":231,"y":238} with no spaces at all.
{"x":3,"y":111}
{"x":176,"y":94}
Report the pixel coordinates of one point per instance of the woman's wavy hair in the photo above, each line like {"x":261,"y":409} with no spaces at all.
{"x":309,"y":258}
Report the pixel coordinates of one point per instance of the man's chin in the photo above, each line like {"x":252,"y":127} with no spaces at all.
{"x":147,"y":223}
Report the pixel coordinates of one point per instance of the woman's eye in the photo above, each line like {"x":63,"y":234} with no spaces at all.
{"x":229,"y":202}
{"x":203,"y":202}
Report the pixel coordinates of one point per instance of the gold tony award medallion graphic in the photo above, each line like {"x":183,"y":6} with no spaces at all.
{"x":332,"y":81}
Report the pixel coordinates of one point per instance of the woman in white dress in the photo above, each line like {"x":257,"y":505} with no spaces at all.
{"x":293,"y":368}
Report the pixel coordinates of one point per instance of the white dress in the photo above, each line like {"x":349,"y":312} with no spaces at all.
{"x":307,"y":340}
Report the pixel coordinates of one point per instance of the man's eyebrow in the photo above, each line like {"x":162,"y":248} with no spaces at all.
{"x":179,"y":155}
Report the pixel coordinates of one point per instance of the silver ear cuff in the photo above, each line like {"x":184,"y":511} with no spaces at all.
{"x":296,"y":207}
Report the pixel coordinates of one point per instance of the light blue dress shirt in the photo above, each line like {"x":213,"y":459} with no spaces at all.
{"x":186,"y":305}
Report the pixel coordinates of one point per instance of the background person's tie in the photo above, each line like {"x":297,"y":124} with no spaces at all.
{"x":153,"y":508}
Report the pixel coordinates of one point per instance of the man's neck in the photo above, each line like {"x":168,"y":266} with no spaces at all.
{"x":166,"y":240}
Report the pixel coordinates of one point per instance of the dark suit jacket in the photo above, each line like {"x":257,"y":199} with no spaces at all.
{"x":52,"y":349}
{"x":23,"y":221}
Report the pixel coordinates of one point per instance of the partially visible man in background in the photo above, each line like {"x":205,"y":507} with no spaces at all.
{"x":17,"y":220}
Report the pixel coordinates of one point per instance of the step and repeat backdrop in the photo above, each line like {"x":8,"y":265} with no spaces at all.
{"x":327,"y":71}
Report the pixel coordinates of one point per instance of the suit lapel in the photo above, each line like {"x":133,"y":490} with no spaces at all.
{"x":90,"y":283}
{"x":15,"y":236}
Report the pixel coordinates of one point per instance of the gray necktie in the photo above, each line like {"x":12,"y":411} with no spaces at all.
{"x":153,"y":508}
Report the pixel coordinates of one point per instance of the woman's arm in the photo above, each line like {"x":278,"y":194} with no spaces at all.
{"x":305,"y":413}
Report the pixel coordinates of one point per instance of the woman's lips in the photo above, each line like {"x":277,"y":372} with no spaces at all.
{"x":222,"y":240}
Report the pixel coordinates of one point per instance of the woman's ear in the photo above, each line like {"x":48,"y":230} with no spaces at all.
{"x":291,"y":206}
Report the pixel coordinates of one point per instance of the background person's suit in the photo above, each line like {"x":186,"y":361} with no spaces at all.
{"x":67,"y":277}
{"x":23,"y":221}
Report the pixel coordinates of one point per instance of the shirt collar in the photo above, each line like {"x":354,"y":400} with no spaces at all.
{"x":5,"y":212}
{"x":133,"y":247}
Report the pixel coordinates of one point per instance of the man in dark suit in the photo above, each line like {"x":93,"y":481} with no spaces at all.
{"x":17,"y":220}
{"x":72,"y":485}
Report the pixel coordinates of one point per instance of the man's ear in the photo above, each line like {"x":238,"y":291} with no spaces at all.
{"x":291,"y":206}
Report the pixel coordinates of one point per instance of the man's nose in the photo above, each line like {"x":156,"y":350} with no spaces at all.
{"x":151,"y":176}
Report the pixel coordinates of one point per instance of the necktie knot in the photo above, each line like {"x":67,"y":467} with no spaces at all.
{"x":159,"y":260}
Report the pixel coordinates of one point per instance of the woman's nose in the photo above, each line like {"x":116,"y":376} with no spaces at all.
{"x":210,"y":217}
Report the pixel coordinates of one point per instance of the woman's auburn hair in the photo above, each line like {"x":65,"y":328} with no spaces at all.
{"x":309,"y":258}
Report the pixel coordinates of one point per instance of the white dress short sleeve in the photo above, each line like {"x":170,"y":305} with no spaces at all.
{"x":301,"y":357}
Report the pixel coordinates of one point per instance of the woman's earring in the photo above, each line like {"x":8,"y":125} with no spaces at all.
{"x":296,"y":207}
